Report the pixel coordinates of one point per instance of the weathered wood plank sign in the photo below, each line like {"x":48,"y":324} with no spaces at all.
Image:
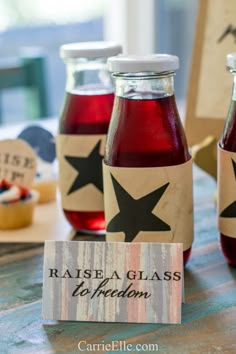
{"x":113,"y":281}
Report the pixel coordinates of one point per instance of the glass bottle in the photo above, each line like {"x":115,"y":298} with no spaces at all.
{"x":84,"y":120}
{"x":227,"y":175}
{"x":147,"y":155}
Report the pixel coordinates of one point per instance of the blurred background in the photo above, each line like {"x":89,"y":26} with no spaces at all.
{"x":39,"y":27}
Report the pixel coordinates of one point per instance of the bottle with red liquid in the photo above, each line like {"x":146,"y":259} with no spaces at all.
{"x":227,"y":175}
{"x":147,"y":167}
{"x":83,"y":127}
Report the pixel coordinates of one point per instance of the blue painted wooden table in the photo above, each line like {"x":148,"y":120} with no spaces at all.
{"x":209,"y":314}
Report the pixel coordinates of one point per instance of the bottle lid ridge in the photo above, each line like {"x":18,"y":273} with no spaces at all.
{"x":150,"y":63}
{"x":90,"y":50}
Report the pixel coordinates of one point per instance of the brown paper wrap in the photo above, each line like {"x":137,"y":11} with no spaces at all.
{"x":175,"y":207}
{"x":89,"y":197}
{"x":226,"y":191}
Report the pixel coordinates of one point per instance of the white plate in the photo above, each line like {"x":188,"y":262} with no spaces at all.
{"x":49,"y":224}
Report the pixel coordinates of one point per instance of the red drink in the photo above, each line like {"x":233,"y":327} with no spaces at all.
{"x":153,"y":135}
{"x":82,"y":133}
{"x":226,"y":175}
{"x":228,"y":142}
{"x":85,"y":115}
{"x":147,"y":171}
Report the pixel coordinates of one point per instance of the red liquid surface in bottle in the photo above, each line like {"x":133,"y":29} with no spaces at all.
{"x":86,"y":114}
{"x":228,"y":142}
{"x":152,"y":135}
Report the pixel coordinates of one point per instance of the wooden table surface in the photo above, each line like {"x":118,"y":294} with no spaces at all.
{"x":208,"y":317}
{"x":209,"y":314}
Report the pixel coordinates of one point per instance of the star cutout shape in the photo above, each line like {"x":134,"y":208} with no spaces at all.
{"x":230,"y":211}
{"x":89,"y":169}
{"x":136,"y":215}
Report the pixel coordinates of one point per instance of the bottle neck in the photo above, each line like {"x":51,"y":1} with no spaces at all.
{"x":88,"y":77}
{"x":144,"y":85}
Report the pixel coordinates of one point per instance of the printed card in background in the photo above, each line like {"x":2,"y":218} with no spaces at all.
{"x":17,"y":162}
{"x":113,"y":281}
{"x":210,"y":84}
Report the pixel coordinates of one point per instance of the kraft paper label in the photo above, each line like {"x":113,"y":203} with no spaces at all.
{"x":227,"y":192}
{"x":17,"y":162}
{"x":149,"y":204}
{"x":80,"y":171}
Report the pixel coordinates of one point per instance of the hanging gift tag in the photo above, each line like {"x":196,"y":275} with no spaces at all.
{"x":113,"y":281}
{"x":17,"y":162}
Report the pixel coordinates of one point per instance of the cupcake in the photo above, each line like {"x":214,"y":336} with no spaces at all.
{"x":45,"y":181}
{"x":43,"y":143}
{"x":16,"y":206}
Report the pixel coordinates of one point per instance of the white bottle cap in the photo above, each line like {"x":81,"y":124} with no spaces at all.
{"x":231,"y":60}
{"x":90,"y":50}
{"x":151,"y":63}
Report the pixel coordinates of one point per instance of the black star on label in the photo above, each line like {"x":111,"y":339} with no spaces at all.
{"x":89,"y":169}
{"x":230,"y":211}
{"x":136,"y":215}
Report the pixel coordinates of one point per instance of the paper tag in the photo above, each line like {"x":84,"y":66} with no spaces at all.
{"x":17,"y":162}
{"x":80,"y":171}
{"x":226,"y":192}
{"x":41,"y":140}
{"x":151,"y":204}
{"x":113,"y":281}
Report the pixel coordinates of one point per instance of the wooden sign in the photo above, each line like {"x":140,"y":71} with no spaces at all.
{"x":210,"y":84}
{"x":17,"y":162}
{"x":113,"y":281}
